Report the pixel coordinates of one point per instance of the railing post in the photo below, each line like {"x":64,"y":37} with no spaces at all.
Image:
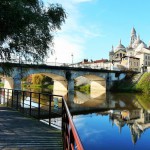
{"x":50,"y":100}
{"x":39,"y":106}
{"x":71,"y":137}
{"x":71,"y":144}
{"x":30,"y":103}
{"x":63,"y":125}
{"x":23,"y":101}
{"x":6,"y":98}
{"x":17,"y":99}
{"x":4,"y":95}
{"x":12,"y":98}
{"x":67,"y":131}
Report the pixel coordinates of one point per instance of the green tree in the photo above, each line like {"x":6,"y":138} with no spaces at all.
{"x":37,"y":79}
{"x":47,"y":80}
{"x":27,"y":27}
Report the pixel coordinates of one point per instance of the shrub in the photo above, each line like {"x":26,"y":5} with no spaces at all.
{"x":144,"y":83}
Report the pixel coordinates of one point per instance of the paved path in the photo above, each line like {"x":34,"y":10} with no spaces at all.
{"x":21,"y":133}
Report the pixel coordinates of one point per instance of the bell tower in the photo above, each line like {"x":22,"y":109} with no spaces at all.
{"x":133,"y":36}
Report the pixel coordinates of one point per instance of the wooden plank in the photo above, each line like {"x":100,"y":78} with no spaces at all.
{"x":20,"y":132}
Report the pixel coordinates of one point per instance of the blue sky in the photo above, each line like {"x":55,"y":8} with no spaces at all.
{"x":93,"y":26}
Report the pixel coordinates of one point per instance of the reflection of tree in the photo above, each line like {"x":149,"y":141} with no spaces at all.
{"x":144,"y":100}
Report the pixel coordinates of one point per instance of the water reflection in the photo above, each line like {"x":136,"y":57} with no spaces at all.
{"x":111,"y":121}
{"x":124,"y":124}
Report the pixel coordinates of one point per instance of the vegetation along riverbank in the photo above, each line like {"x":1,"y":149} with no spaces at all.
{"x":133,"y":83}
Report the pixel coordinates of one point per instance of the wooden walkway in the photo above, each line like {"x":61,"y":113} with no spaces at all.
{"x":21,"y":133}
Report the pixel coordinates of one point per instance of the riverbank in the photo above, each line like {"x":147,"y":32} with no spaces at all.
{"x":131,"y":84}
{"x":37,"y":86}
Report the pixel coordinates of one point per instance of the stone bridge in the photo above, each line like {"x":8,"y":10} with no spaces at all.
{"x":64,"y":77}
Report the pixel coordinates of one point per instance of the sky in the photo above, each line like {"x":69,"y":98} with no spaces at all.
{"x":93,"y":26}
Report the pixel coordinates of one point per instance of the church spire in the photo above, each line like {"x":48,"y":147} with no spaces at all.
{"x":133,"y":36}
{"x":133,"y":32}
{"x":120,"y":42}
{"x":112,"y":48}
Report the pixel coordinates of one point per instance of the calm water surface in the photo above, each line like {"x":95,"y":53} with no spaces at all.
{"x":122,"y":123}
{"x":111,"y":121}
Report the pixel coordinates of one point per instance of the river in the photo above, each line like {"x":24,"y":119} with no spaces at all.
{"x":117,"y":121}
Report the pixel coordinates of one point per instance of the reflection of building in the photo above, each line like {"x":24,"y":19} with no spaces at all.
{"x":138,"y":121}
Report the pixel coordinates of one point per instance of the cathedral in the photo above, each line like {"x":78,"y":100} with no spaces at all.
{"x":137,"y":52}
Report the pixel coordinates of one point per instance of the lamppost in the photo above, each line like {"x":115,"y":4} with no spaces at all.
{"x":55,"y":61}
{"x":72,"y":58}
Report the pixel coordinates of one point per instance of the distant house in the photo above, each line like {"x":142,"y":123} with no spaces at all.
{"x":131,"y":63}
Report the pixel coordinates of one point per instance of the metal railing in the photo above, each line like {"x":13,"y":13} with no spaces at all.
{"x":48,"y":108}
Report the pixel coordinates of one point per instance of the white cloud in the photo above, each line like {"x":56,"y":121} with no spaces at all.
{"x":64,"y":48}
{"x":72,"y":37}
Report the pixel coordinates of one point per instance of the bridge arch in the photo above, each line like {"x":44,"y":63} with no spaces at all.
{"x":14,"y":81}
{"x":100,"y":80}
{"x":97,"y":81}
{"x":60,"y":82}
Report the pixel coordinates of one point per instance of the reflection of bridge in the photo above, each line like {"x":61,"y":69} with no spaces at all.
{"x":64,"y":77}
{"x":81,"y":103}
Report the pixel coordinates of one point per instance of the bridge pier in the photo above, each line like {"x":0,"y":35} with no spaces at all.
{"x":17,"y":83}
{"x":71,"y":85}
{"x":12,"y":83}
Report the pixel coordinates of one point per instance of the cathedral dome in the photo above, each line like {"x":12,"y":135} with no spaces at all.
{"x":141,"y":46}
{"x":120,"y":47}
{"x":137,"y":42}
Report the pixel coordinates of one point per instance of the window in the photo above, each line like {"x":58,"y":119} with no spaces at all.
{"x":134,"y":64}
{"x":145,"y":57}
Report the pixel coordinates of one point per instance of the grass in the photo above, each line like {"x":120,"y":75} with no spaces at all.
{"x":142,"y":86}
{"x":83,"y":88}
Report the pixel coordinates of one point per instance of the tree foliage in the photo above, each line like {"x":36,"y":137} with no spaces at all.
{"x":41,"y":79}
{"x":27,"y":27}
{"x":37,"y":78}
